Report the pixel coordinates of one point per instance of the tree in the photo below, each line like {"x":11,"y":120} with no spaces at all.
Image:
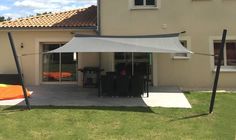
{"x":2,"y":18}
{"x":8,"y":19}
{"x":38,"y":14}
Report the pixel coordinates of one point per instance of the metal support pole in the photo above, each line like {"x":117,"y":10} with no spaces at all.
{"x":147,"y":85}
{"x":19,"y":70}
{"x":99,"y":74}
{"x":217,"y":71}
{"x":148,"y":72}
{"x":99,"y":81}
{"x":100,"y":60}
{"x":132,"y":64}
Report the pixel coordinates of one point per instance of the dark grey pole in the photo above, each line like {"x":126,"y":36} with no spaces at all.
{"x":147,"y":83}
{"x":217,"y":71}
{"x":19,"y":70}
{"x":148,"y":73}
{"x":99,"y":81}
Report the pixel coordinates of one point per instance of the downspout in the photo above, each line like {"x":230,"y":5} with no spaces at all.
{"x":99,"y":54}
{"x":99,"y":28}
{"x":99,"y":17}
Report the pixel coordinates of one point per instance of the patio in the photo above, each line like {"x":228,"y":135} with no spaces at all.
{"x":72,"y":95}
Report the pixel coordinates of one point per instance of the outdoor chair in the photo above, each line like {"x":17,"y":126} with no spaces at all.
{"x":137,"y":85}
{"x":122,"y":85}
{"x":111,"y":73}
{"x":107,"y":85}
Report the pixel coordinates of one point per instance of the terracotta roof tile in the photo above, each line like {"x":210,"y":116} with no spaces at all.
{"x":86,"y":17}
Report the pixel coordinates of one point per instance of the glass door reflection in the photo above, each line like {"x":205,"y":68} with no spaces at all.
{"x":58,"y":67}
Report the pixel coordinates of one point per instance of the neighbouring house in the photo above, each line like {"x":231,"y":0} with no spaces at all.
{"x":203,"y":21}
{"x":35,"y":35}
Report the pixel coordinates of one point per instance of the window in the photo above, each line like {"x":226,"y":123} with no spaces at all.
{"x":145,"y":4}
{"x":182,"y":55}
{"x":150,"y":2}
{"x":138,"y":2}
{"x":229,"y":57}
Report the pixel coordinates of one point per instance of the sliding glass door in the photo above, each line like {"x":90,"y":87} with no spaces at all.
{"x":134,"y":63}
{"x":123,"y":62}
{"x":58,"y":67}
{"x":68,"y":67}
{"x":141,"y":63}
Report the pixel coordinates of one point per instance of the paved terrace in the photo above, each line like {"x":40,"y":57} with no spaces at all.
{"x":72,"y":95}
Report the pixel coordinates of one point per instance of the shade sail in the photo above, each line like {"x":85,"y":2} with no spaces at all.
{"x":154,"y":43}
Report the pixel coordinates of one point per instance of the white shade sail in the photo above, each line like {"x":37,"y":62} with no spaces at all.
{"x":159,"y":43}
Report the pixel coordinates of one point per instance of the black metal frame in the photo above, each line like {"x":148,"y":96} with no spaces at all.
{"x":19,"y":70}
{"x":217,"y":71}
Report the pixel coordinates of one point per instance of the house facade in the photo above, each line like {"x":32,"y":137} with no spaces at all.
{"x":203,"y":21}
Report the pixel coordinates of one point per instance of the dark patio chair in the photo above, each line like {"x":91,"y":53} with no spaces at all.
{"x":122,"y":85}
{"x":137,"y":85}
{"x":107,"y":85}
{"x":111,"y":73}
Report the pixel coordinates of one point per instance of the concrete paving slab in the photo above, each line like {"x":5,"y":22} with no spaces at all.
{"x":72,"y":95}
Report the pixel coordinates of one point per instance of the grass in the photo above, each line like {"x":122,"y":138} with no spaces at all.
{"x":124,"y":123}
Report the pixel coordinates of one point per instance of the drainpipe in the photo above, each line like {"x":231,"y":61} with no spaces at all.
{"x":99,"y":17}
{"x":99,"y":28}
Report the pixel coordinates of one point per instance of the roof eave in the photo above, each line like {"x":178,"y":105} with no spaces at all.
{"x":49,"y":28}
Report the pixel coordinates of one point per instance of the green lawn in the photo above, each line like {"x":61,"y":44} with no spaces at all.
{"x":124,"y":123}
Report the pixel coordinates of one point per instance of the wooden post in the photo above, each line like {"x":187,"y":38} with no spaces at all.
{"x":19,"y":70}
{"x":217,"y":71}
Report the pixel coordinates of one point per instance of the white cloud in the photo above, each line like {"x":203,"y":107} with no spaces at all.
{"x":51,"y":4}
{"x":2,"y":8}
{"x":24,"y":8}
{"x":40,"y":6}
{"x":12,"y":15}
{"x":34,"y":4}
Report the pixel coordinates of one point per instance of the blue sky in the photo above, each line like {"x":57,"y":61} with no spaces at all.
{"x":22,"y":8}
